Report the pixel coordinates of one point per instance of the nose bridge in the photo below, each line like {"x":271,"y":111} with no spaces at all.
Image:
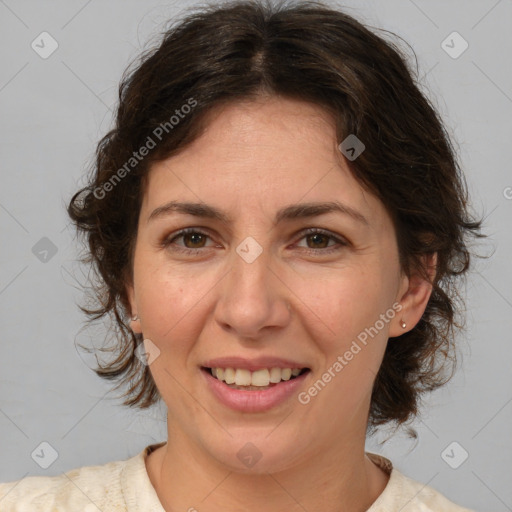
{"x":250,"y":298}
{"x":250,"y":269}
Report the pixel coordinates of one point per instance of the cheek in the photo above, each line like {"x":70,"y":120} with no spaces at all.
{"x":343,"y":304}
{"x":169,"y":301}
{"x":167,"y":298}
{"x":351,"y":336}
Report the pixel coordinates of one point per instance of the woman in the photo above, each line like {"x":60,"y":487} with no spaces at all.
{"x":279,"y":223}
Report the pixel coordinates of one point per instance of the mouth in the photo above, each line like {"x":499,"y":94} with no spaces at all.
{"x":256,"y":391}
{"x":258,"y":380}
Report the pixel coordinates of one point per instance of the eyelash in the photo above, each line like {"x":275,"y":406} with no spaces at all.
{"x":310,"y":231}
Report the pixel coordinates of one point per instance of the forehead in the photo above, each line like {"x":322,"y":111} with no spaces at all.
{"x":260,"y":155}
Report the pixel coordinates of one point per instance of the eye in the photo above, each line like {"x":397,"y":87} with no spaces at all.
{"x":319,"y":238}
{"x":193,"y":239}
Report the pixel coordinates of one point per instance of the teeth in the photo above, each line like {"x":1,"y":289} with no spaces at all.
{"x":229,"y":376}
{"x":259,"y":378}
{"x":286,"y":373}
{"x":275,"y":375}
{"x":242,"y":377}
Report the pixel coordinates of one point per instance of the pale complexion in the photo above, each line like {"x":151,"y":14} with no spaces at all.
{"x":305,"y":297}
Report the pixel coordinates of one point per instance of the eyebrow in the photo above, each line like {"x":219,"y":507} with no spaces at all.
{"x":291,"y":212}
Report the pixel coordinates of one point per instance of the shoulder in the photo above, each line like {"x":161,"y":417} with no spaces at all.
{"x":81,"y":489}
{"x":407,"y":495}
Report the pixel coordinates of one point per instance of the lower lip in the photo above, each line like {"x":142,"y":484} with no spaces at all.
{"x":254,"y":401}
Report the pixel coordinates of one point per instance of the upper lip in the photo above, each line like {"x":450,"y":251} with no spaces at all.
{"x":253,"y":364}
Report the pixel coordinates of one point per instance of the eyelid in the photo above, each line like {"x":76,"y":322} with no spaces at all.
{"x":169,"y":239}
{"x":333,"y":236}
{"x":339,"y":239}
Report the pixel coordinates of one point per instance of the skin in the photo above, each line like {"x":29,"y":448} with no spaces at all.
{"x":254,"y":158}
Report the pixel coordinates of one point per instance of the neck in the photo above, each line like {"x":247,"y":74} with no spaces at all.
{"x":187,"y":478}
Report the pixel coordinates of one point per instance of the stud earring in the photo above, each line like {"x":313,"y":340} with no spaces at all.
{"x":403,"y":324}
{"x":135,"y":318}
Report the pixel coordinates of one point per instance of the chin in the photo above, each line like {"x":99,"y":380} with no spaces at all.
{"x":255,"y":454}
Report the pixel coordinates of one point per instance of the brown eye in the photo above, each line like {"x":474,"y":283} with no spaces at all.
{"x":193,"y":241}
{"x":319,"y":240}
{"x":196,"y":240}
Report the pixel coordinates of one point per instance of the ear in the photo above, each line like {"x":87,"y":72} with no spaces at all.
{"x":413,"y":296}
{"x":134,"y":324}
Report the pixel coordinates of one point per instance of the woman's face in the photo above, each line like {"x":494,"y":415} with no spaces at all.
{"x":258,"y":287}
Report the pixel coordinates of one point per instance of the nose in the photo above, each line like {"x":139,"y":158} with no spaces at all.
{"x":253,"y":300}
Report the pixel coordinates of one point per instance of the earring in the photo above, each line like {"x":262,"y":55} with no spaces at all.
{"x":403,"y":325}
{"x":135,"y":318}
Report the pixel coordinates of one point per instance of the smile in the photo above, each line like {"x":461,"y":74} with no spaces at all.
{"x":254,"y":391}
{"x":240,"y":378}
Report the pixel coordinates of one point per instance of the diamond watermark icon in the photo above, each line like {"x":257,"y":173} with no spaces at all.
{"x":454,"y":455}
{"x":44,"y":250}
{"x":249,"y":454}
{"x":147,"y":352}
{"x":249,"y":249}
{"x":454,"y":45}
{"x":44,"y":455}
{"x":44,"y":45}
{"x":351,"y":147}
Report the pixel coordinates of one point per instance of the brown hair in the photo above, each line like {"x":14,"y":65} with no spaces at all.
{"x":310,"y":52}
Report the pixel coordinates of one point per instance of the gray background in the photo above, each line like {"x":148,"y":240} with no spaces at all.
{"x":54,"y":110}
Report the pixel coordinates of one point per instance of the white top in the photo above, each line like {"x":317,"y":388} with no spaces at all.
{"x":124,"y":486}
